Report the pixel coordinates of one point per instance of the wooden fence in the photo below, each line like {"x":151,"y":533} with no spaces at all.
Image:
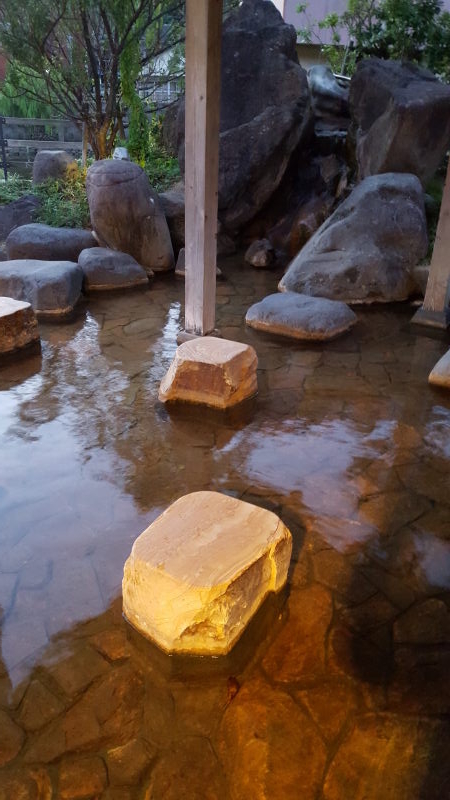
{"x":23,"y":137}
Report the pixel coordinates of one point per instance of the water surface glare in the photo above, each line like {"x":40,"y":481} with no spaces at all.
{"x":339,"y":690}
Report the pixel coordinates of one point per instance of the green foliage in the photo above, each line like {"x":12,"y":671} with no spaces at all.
{"x":16,"y":102}
{"x":162,"y":169}
{"x":14,"y":188}
{"x":406,"y":30}
{"x":64,"y":202}
{"x":138,"y":131}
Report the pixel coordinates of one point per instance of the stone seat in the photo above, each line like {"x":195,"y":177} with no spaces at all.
{"x":210,"y":371}
{"x":198,"y":574}
{"x":300,"y":316}
{"x":52,"y":287}
{"x":109,"y":269}
{"x":440,"y":374}
{"x":45,"y":242}
{"x":18,"y":325}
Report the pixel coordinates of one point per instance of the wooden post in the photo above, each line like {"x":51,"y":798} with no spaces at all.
{"x":203,"y":40}
{"x":435,"y":310}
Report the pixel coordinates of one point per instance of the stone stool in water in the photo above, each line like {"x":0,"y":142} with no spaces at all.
{"x":199,"y":573}
{"x":210,"y":371}
{"x":18,"y":325}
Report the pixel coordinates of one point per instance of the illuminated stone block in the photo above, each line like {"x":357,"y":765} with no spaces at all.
{"x":199,"y":573}
{"x":440,"y":375}
{"x":18,"y":325}
{"x":211,"y":371}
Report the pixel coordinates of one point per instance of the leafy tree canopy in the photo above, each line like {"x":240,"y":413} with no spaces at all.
{"x":82,"y":58}
{"x":407,"y":30}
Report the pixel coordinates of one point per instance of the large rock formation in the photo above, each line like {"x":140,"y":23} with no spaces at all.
{"x":366,"y":250}
{"x":402,"y":116}
{"x":210,"y":371}
{"x":55,"y":164}
{"x":52,"y":287}
{"x":126,"y":213}
{"x":201,"y":570}
{"x":18,"y":325}
{"x":48,"y":243}
{"x":265,"y":109}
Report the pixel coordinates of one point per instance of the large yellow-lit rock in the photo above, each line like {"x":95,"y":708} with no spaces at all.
{"x":18,"y":325}
{"x":201,"y":570}
{"x":440,"y":374}
{"x":212,"y":371}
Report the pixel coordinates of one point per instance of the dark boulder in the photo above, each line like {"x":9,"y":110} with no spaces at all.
{"x":127,"y":215}
{"x":402,"y":118}
{"x":108,"y":269}
{"x":366,"y":251}
{"x":19,"y":212}
{"x":52,"y":287}
{"x":265,"y":109}
{"x":55,"y":164}
{"x":260,"y":254}
{"x":48,"y":243}
{"x":172,"y":202}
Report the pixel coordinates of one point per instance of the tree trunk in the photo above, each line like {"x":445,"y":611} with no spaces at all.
{"x":101,"y":143}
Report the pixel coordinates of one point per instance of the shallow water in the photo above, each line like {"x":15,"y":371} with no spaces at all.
{"x":340,"y":687}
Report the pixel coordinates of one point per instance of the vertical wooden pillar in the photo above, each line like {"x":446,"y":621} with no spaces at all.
{"x":203,"y":40}
{"x":435,"y":310}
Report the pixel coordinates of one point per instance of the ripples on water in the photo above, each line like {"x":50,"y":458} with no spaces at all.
{"x":347,"y":442}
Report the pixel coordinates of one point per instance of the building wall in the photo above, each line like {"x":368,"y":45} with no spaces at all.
{"x":317,"y":10}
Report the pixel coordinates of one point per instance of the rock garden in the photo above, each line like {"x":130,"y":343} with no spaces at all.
{"x":278,"y":493}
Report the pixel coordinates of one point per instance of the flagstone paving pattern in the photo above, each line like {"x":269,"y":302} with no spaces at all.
{"x":339,"y":688}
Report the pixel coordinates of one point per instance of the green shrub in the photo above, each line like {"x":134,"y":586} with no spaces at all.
{"x":14,"y":188}
{"x":162,"y":169}
{"x":64,"y":202}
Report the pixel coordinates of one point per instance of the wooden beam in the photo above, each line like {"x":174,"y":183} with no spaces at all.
{"x":435,"y":311}
{"x":38,"y":144}
{"x":203,"y":42}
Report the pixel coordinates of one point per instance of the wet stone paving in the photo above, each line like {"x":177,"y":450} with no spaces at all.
{"x":339,"y":689}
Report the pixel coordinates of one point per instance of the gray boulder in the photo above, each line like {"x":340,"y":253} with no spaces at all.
{"x":180,"y":268}
{"x":329,"y":98}
{"x":299,"y":316}
{"x":402,"y":118}
{"x":51,"y":287}
{"x":47,"y":243}
{"x":19,"y":212}
{"x":366,"y":251}
{"x":265,"y":109}
{"x":173,"y":205}
{"x":127,"y":215}
{"x":56,"y":164}
{"x":108,"y":269}
{"x":260,"y":254}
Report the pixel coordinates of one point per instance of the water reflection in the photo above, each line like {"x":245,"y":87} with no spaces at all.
{"x":346,"y":442}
